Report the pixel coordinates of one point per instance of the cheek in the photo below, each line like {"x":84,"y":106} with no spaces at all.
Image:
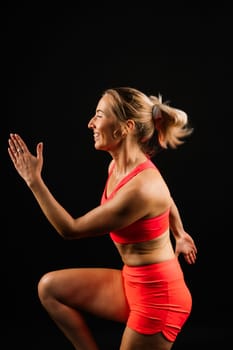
{"x":111,"y":133}
{"x":109,"y":136}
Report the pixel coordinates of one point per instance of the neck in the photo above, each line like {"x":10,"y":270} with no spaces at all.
{"x":125,"y":162}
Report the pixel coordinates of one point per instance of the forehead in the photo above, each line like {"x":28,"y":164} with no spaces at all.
{"x":105,"y":104}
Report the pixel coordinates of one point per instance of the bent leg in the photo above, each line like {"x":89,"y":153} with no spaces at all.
{"x":66,"y":293}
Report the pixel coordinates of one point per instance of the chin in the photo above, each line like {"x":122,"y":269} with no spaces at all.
{"x":98,"y":147}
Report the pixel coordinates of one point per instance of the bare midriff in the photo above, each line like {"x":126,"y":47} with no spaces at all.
{"x":150,"y":252}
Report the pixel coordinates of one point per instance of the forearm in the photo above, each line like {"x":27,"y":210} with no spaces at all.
{"x":184,"y":242}
{"x":59,"y":218}
{"x":176,"y":223}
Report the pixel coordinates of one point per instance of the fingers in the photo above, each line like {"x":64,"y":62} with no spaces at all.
{"x":12,"y":154}
{"x":14,"y":148}
{"x":21,"y":143}
{"x":14,"y":145}
{"x":191,"y":257}
{"x":18,"y":146}
{"x":39,"y":150}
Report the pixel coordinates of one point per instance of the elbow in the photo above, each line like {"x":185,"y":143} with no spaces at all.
{"x":67,"y":232}
{"x":67,"y":236}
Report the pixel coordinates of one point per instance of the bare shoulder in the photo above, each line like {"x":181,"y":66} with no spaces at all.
{"x":149,"y":191}
{"x":150,"y":180}
{"x":152,"y":190}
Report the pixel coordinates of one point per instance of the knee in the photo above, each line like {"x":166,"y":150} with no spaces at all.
{"x":45,"y":287}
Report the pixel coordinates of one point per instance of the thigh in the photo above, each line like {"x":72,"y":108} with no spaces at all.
{"x":133,"y":340}
{"x":99,"y":291}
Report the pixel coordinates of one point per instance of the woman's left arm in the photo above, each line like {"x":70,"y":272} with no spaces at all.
{"x":184,"y":243}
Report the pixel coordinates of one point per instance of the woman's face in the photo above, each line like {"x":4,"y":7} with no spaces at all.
{"x":105,"y":125}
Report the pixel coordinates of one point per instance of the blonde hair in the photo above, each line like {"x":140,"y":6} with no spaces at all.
{"x":158,"y":125}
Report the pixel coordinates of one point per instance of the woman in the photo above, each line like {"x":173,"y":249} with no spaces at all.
{"x":149,"y":295}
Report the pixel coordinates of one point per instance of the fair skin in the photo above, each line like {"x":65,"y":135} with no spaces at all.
{"x":66,"y":293}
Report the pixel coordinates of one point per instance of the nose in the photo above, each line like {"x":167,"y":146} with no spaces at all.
{"x":91,"y":123}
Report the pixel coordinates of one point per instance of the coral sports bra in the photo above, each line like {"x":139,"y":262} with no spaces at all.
{"x":143,"y":229}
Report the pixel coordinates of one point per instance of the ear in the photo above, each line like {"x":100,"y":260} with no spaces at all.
{"x":130,"y":124}
{"x":128,"y":127}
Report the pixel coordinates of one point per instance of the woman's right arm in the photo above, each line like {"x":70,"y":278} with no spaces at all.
{"x":29,"y":167}
{"x":116,"y":213}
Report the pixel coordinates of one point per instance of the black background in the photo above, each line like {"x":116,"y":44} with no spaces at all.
{"x":57,"y":60}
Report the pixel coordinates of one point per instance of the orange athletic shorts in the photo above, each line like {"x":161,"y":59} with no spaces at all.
{"x":158,"y":298}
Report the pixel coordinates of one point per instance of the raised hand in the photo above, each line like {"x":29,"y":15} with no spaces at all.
{"x":27,"y":165}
